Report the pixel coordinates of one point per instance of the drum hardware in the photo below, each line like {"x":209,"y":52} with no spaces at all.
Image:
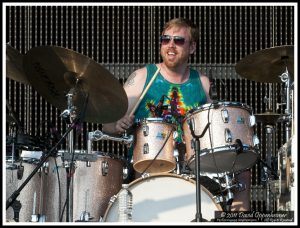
{"x":228,"y":186}
{"x":98,"y":135}
{"x":198,"y":216}
{"x":176,"y":155}
{"x":286,"y":79}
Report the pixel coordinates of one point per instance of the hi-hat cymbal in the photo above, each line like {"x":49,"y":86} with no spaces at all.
{"x":268,"y":64}
{"x":268,"y":117}
{"x":14,"y":65}
{"x":55,"y":71}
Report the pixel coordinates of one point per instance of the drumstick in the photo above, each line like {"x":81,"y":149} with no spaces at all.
{"x":144,"y":92}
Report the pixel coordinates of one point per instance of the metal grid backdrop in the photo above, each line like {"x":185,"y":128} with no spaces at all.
{"x":124,"y":38}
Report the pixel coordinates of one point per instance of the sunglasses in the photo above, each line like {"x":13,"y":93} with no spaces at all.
{"x":178,"y":40}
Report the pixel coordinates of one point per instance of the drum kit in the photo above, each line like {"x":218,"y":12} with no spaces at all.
{"x":54,"y":185}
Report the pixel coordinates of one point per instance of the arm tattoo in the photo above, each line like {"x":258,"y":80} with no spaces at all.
{"x":130,"y":80}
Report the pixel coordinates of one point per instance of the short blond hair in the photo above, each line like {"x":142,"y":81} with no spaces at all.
{"x":182,"y":22}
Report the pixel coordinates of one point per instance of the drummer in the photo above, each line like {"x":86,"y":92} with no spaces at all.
{"x":176,"y":89}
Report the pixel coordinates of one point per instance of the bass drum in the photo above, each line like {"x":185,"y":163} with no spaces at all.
{"x":164,"y":198}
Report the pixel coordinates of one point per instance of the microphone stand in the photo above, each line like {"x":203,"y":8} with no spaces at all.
{"x":11,"y":201}
{"x":198,"y":217}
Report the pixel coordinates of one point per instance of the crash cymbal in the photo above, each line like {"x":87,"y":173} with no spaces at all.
{"x":268,"y":117}
{"x":268,"y":64}
{"x":53,"y":71}
{"x":14,"y":65}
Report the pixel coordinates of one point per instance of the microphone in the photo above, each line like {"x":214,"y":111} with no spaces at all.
{"x":159,"y":107}
{"x":212,"y":88}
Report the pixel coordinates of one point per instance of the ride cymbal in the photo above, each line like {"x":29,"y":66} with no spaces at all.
{"x":56,"y":71}
{"x":268,"y":64}
{"x":14,"y":65}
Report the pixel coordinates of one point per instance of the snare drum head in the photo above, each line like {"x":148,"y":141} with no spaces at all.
{"x":165,"y":198}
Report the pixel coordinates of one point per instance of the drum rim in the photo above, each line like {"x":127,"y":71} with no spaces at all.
{"x":208,"y":106}
{"x":141,"y":121}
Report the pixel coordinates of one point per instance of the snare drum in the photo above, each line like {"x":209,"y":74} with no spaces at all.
{"x":164,"y":198}
{"x":154,"y":146}
{"x":228,"y":145}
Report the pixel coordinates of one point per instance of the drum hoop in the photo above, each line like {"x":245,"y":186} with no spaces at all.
{"x":154,"y":120}
{"x":150,"y":176}
{"x":109,"y":155}
{"x":208,"y":106}
{"x":246,"y":147}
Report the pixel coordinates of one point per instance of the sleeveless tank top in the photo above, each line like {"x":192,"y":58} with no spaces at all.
{"x":176,"y":99}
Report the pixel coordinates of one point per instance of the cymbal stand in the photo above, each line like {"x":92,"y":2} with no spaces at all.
{"x":197,"y":168}
{"x":285,"y":77}
{"x":266,"y":177}
{"x":69,"y":115}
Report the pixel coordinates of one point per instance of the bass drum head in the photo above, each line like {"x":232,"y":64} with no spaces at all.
{"x":165,"y":198}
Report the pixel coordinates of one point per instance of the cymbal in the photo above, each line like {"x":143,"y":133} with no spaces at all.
{"x":56,"y":71}
{"x":268,"y":117}
{"x":14,"y":65}
{"x":268,"y":64}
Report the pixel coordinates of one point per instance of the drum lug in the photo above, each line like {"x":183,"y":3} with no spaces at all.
{"x":125,"y":172}
{"x":104,"y":168}
{"x":146,"y":148}
{"x":225,"y":116}
{"x":145,"y":175}
{"x":255,"y":141}
{"x":46,"y":167}
{"x":20,"y":172}
{"x":252,"y":120}
{"x":228,"y":136}
{"x":146,"y":130}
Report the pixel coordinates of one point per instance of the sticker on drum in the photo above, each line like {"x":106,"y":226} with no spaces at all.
{"x":228,"y":143}
{"x":95,"y":185}
{"x":164,"y":198}
{"x":154,"y":136}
